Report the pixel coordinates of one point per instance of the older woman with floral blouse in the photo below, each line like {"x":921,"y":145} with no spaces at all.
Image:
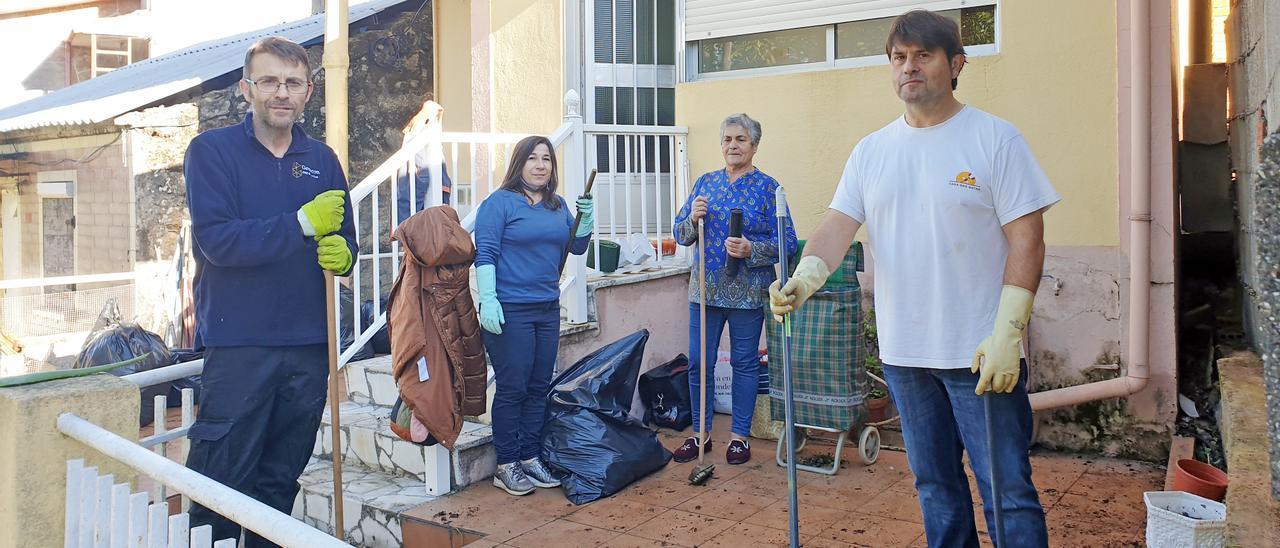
{"x":737,"y":299}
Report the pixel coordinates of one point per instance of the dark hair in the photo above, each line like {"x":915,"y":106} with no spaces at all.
{"x":514,"y":178}
{"x":926,"y":29}
{"x":283,"y":48}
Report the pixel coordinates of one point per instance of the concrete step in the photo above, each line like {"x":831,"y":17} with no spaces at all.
{"x":372,"y":503}
{"x":370,"y":382}
{"x":368,"y":442}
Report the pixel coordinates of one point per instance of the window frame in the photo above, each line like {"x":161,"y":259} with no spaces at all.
{"x":688,"y":55}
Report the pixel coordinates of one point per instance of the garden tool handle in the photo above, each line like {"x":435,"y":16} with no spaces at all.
{"x":702,"y":341}
{"x":780,"y":197}
{"x":331,"y":323}
{"x":735,"y":231}
{"x":577,"y":220}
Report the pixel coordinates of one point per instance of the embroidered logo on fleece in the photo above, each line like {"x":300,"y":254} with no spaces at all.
{"x":299,"y":170}
{"x":964,"y":179}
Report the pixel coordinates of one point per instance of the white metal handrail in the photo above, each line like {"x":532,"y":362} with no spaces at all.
{"x":168,"y":373}
{"x":264,"y":520}
{"x":66,"y":280}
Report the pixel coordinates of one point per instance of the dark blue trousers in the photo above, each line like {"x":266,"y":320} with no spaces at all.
{"x":523,"y":359}
{"x":260,"y":408}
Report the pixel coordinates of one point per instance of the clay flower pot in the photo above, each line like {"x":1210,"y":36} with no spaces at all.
{"x":876,"y":408}
{"x":1198,"y":478}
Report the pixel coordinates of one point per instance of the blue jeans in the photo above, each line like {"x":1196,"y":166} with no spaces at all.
{"x":941,"y":419}
{"x":523,"y":359}
{"x":744,"y":343}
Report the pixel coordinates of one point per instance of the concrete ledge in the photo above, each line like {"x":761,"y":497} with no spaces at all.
{"x":33,"y":453}
{"x":1253,"y":517}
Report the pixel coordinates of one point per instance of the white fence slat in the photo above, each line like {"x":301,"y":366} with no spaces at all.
{"x":159,"y":426}
{"x":188,"y":418}
{"x":225,"y":543}
{"x":88,"y":504}
{"x":157,"y":525}
{"x":180,"y":531}
{"x":119,"y":515}
{"x":102,"y":512}
{"x":138,"y":520}
{"x":71,"y":519}
{"x":202,"y":537}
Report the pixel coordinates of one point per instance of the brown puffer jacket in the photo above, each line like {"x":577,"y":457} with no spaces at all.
{"x":431,"y":315}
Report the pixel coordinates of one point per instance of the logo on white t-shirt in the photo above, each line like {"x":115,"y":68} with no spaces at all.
{"x":965,"y":179}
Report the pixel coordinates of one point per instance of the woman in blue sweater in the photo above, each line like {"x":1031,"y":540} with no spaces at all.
{"x":522,"y":230}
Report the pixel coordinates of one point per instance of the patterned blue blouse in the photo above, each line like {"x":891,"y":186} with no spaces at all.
{"x":753,"y":193}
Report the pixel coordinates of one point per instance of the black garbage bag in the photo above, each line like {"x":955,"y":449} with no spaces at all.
{"x":119,"y":342}
{"x":183,"y":355}
{"x":665,"y":393}
{"x":590,"y":440}
{"x":379,"y":344}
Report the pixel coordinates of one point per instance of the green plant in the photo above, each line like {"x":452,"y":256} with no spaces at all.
{"x":871,"y":348}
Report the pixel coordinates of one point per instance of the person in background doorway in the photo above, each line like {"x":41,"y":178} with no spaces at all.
{"x":738,"y":298}
{"x":953,"y":202}
{"x":422,"y":162}
{"x":269,"y":214}
{"x":522,"y":231}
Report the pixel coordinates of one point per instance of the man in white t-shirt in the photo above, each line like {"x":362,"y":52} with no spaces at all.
{"x":952,"y":199}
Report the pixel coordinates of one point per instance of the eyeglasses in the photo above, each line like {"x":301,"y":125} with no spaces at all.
{"x":270,"y":88}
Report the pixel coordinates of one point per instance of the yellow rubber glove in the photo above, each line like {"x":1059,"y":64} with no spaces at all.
{"x":323,"y":214}
{"x":811,"y":273}
{"x":333,"y":254}
{"x":999,"y":356}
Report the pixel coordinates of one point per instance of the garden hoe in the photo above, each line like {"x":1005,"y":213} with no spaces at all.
{"x":703,"y":471}
{"x":780,"y":197}
{"x":336,"y":429}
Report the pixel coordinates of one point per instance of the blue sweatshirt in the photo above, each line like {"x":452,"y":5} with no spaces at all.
{"x":258,"y":282}
{"x":524,"y":243}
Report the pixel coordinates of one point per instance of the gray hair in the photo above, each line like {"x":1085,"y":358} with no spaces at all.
{"x":745,"y":122}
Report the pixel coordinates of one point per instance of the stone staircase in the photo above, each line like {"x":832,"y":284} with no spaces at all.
{"x":382,"y":475}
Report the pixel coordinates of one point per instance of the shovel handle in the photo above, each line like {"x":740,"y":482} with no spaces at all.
{"x":577,"y":221}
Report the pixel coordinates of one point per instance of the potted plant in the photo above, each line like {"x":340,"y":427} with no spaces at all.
{"x":877,"y":398}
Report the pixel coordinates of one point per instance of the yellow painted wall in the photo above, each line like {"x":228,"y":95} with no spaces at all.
{"x":528,"y":74}
{"x":453,"y":44}
{"x":1055,"y":79}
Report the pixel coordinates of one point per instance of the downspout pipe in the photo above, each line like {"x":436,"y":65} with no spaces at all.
{"x":1139,"y":370}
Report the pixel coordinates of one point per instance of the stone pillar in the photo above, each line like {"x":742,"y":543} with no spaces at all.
{"x":34,"y":454}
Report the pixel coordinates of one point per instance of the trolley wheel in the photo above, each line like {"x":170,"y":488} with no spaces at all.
{"x":869,"y":445}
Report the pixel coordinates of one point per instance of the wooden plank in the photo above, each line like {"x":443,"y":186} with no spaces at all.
{"x":179,"y":531}
{"x":102,"y":512}
{"x":1182,"y":447}
{"x":157,"y":526}
{"x":119,"y":515}
{"x":88,"y":503}
{"x":202,"y":537}
{"x":138,"y":520}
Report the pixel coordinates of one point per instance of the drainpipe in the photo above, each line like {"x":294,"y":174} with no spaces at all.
{"x":1139,"y":230}
{"x":336,"y":62}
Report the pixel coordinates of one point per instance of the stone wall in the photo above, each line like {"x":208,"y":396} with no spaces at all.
{"x":1254,"y":54}
{"x":389,"y":78}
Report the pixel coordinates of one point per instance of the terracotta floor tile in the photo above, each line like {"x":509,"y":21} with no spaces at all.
{"x":725,"y":503}
{"x":616,"y":514}
{"x":896,"y":505}
{"x":1077,"y":533}
{"x":1109,"y":487}
{"x":841,"y":497}
{"x":631,"y":541}
{"x":867,"y":530}
{"x":680,"y":527}
{"x":1120,"y":515}
{"x":820,"y":542}
{"x":661,"y":493}
{"x":813,"y":519}
{"x":562,"y":533}
{"x":748,"y":534}
{"x":676,"y":471}
{"x":769,"y":481}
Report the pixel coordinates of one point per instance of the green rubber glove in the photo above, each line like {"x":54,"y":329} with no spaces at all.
{"x":333,"y":253}
{"x":588,"y":210}
{"x":811,"y":273}
{"x":999,"y":357}
{"x":323,"y":214}
{"x":490,"y":309}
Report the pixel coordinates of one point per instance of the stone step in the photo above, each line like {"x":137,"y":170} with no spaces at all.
{"x":372,"y":503}
{"x":369,"y":382}
{"x":368,"y":442}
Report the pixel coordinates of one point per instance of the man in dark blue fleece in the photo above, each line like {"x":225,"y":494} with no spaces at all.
{"x":269,"y":212}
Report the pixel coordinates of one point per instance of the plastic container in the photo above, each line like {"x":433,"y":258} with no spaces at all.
{"x":609,"y":252}
{"x":1198,"y":478}
{"x":1181,"y":520}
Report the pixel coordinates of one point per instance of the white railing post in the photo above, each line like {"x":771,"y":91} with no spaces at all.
{"x":574,"y":299}
{"x":71,"y":523}
{"x":439,"y":470}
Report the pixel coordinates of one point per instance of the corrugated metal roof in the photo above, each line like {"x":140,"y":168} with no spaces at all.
{"x":151,"y":80}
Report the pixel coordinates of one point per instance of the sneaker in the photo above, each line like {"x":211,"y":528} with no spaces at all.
{"x":538,"y":474}
{"x":738,"y":452}
{"x":511,"y":478}
{"x":688,"y":450}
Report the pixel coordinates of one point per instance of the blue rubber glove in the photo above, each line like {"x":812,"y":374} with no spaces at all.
{"x":333,"y":254}
{"x":490,"y":309}
{"x":588,"y":211}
